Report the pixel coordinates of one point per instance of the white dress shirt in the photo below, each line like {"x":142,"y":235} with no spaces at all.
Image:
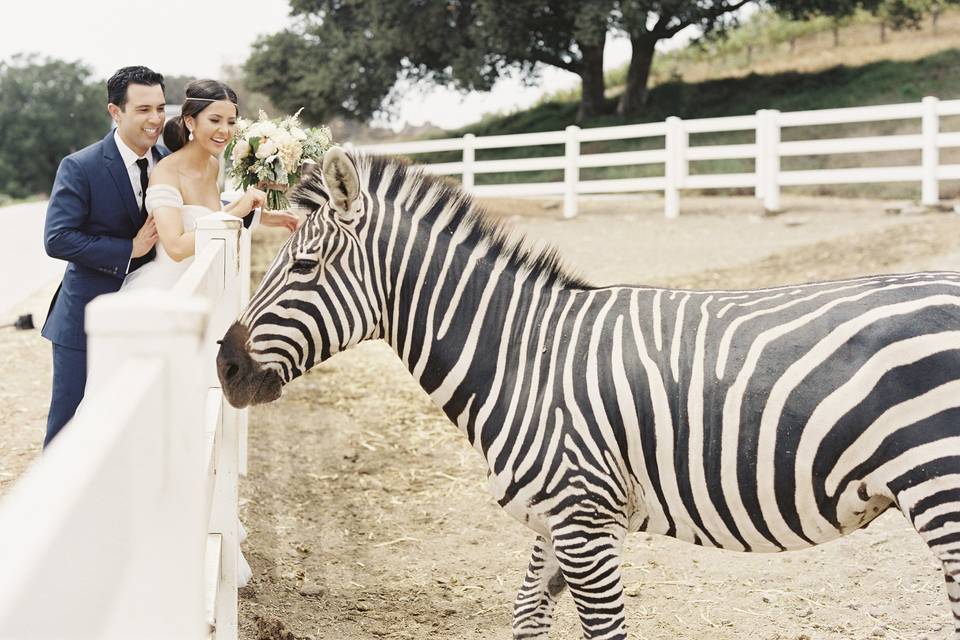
{"x":130,"y":158}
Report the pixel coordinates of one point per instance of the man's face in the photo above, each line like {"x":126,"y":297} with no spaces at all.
{"x":140,"y":122}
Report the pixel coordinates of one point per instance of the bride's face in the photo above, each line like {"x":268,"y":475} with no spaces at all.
{"x":213,"y":127}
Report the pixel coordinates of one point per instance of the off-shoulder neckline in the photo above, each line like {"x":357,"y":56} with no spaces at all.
{"x":168,"y":187}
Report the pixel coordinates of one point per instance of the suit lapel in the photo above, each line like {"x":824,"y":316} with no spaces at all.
{"x":121,"y":179}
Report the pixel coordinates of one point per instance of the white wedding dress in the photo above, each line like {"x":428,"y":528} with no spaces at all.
{"x":162,"y":273}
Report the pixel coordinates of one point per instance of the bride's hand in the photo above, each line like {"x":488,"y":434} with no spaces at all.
{"x":253,"y":198}
{"x":281,"y":218}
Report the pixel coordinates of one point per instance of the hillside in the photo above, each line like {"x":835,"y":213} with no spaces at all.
{"x":807,"y":73}
{"x":880,"y":82}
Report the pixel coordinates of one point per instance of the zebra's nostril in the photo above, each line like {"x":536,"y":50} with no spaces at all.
{"x":231,"y":371}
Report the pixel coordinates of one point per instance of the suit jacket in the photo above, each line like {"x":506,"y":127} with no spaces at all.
{"x":92,"y":218}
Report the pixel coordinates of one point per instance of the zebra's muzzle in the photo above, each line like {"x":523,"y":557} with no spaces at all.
{"x":243,"y":380}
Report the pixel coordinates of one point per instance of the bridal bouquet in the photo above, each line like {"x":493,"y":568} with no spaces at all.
{"x":273,"y":152}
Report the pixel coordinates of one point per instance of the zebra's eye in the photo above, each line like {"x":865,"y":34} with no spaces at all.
{"x":304,"y":265}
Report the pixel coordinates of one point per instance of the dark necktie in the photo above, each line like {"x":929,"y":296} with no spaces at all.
{"x":142,"y":163}
{"x":138,"y":262}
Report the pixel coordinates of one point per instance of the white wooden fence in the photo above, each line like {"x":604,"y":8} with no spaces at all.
{"x":677,"y":154}
{"x":126,"y":527}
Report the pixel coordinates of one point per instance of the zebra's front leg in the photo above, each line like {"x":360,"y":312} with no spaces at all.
{"x":543,"y":584}
{"x":589,"y":556}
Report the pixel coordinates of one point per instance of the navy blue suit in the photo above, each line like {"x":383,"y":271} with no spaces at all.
{"x":91,"y":221}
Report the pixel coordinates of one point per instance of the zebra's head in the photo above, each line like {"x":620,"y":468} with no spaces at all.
{"x":312,"y":302}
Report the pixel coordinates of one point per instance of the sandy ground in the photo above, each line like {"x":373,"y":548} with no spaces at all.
{"x":367,"y":512}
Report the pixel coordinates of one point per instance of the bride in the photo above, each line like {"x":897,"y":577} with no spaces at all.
{"x":184,"y":187}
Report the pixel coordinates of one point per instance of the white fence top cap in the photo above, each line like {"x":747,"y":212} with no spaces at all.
{"x":219,"y":220}
{"x":146,"y":312}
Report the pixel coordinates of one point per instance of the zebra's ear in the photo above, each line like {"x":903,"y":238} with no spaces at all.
{"x":342,"y":181}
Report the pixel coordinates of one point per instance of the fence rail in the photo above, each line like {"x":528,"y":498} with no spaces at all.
{"x":766,"y":179}
{"x":127,"y":526}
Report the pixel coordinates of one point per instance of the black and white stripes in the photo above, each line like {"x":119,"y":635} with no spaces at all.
{"x":747,"y":420}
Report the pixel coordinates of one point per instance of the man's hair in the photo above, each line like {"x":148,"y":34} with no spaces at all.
{"x":119,"y":81}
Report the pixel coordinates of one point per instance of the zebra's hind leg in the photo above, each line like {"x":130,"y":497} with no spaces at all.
{"x":590,"y":555}
{"x":542,"y":585}
{"x":933,"y":507}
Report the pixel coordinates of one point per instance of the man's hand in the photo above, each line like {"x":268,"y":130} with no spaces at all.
{"x":280,"y":218}
{"x":145,"y":238}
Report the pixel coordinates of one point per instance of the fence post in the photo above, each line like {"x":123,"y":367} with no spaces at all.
{"x":771,"y":160}
{"x":245,"y":252}
{"x":675,"y":169}
{"x":468,"y":158}
{"x":929,"y":187}
{"x":167,"y":596}
{"x":571,"y":171}
{"x":220,"y":227}
{"x":761,"y":154}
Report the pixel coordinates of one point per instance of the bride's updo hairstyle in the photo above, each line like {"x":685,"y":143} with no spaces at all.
{"x":200,"y":95}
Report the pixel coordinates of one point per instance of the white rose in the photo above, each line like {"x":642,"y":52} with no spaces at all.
{"x":266,"y":149}
{"x":263,"y":130}
{"x":240,"y":151}
{"x":298,"y":133}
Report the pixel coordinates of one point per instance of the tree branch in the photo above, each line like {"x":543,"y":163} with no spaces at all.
{"x":664,"y":32}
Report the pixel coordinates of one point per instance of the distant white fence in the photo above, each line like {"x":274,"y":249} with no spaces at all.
{"x":126,"y":527}
{"x":677,"y":153}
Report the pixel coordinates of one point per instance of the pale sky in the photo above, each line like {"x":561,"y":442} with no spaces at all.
{"x":198,"y":37}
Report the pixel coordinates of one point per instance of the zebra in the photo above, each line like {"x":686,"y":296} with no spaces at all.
{"x":760,"y":421}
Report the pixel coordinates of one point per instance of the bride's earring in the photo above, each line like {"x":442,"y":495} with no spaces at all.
{"x":190,"y":137}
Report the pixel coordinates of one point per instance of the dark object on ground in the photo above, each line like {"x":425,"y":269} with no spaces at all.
{"x":23,"y":323}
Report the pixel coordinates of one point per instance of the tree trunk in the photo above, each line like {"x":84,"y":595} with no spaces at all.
{"x":883,"y":31}
{"x":592,"y":83}
{"x":836,"y":35}
{"x":934,"y":17}
{"x":638,"y":74}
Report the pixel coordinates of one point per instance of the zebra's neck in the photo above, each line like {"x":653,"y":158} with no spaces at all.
{"x":456,"y":292}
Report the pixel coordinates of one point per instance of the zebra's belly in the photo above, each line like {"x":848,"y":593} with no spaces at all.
{"x":858,"y":504}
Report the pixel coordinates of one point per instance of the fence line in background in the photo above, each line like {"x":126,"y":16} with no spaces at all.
{"x":766,"y":151}
{"x":127,"y":525}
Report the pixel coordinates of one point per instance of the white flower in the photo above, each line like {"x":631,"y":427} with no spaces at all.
{"x":282,"y":138}
{"x":298,"y":133}
{"x":240,"y":151}
{"x":266,"y":149}
{"x":265,"y":129}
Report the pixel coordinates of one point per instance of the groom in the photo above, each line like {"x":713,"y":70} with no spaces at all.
{"x":97,"y":222}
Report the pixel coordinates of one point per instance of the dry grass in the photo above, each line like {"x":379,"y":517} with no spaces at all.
{"x":859,"y":44}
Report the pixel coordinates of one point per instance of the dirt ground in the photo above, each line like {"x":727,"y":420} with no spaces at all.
{"x":367,"y":511}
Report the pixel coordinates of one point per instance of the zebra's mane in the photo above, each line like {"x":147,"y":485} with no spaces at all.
{"x":459,"y":206}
